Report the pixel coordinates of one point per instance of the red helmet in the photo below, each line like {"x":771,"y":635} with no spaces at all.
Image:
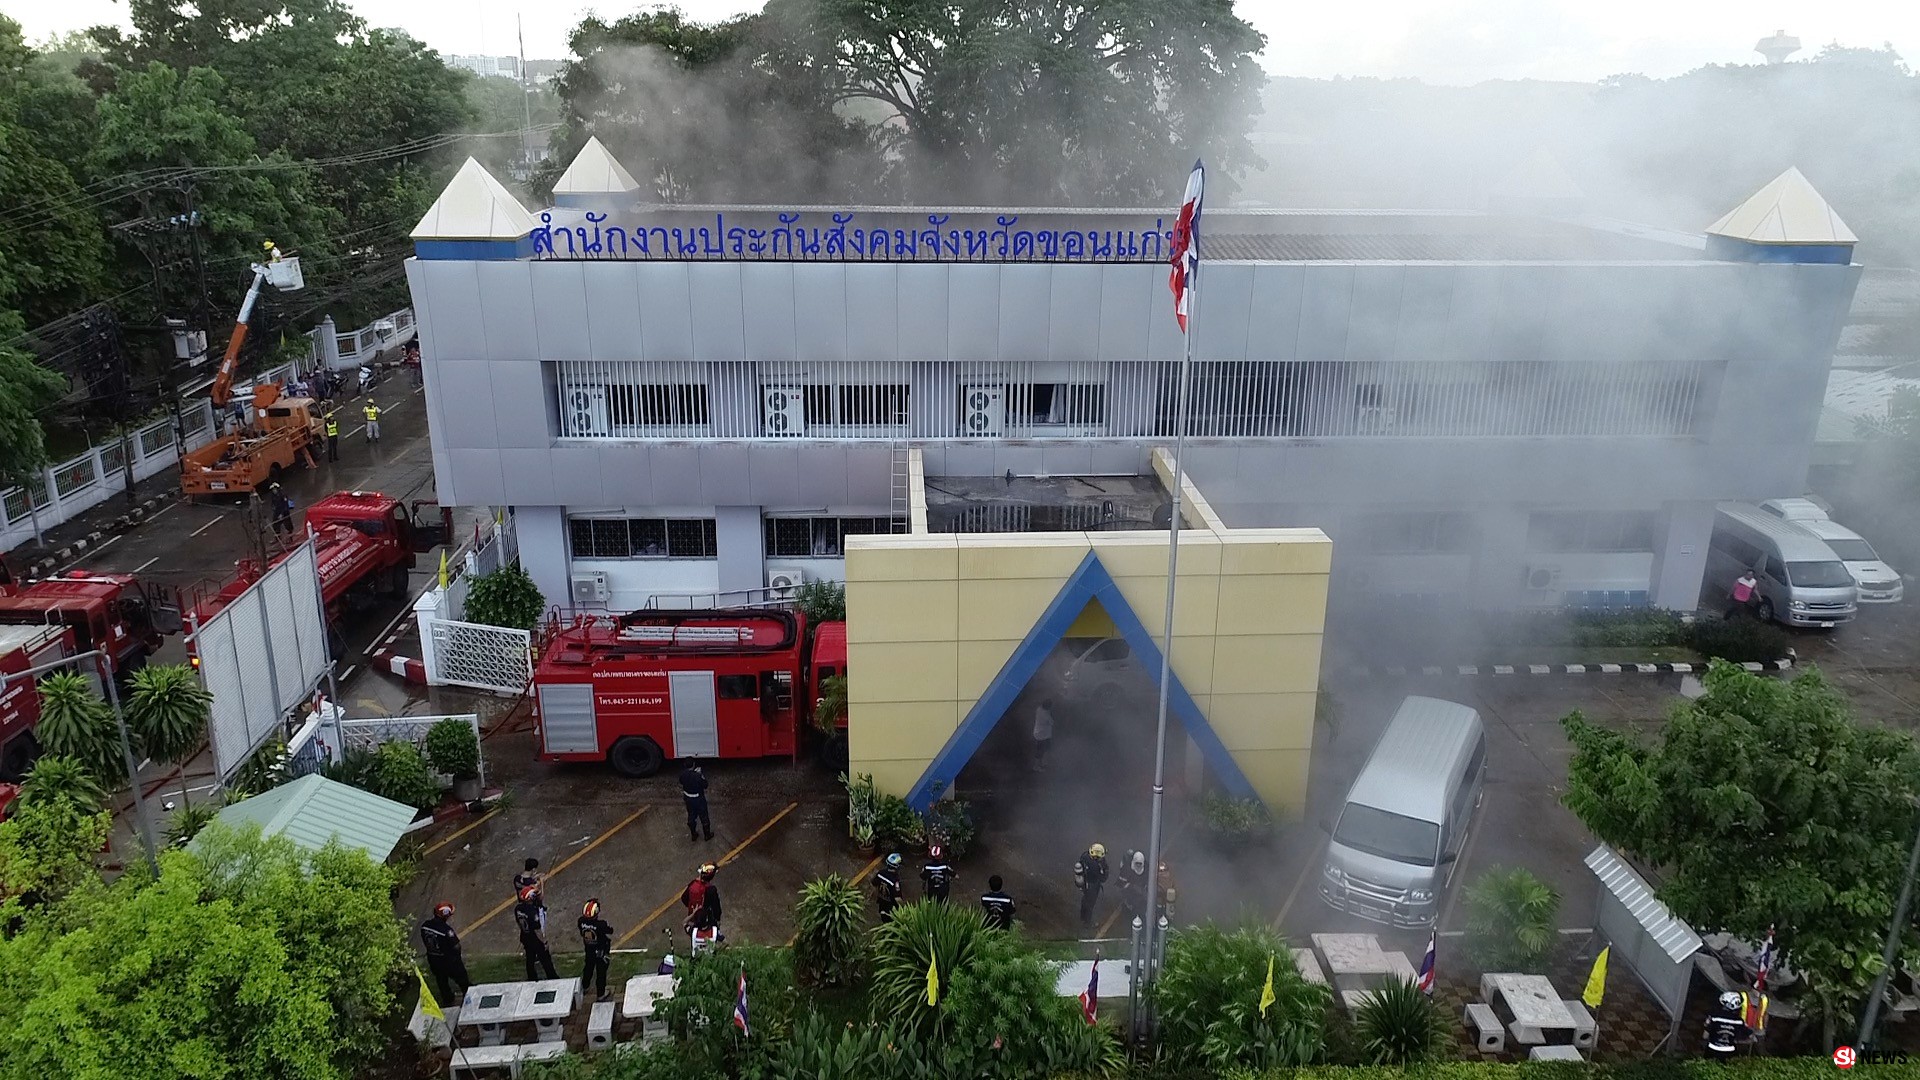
{"x":591,"y":909}
{"x":531,"y":892}
{"x":443,"y":909}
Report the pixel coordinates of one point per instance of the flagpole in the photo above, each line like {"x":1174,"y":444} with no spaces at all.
{"x":1166,"y":648}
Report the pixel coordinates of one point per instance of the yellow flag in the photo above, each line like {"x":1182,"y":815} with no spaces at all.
{"x":1597,"y":981}
{"x":1266,"y":992}
{"x":443,"y":568}
{"x":933,"y":976}
{"x":427,"y":1004}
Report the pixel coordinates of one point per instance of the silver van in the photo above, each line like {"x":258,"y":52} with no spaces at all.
{"x":1407,"y":816}
{"x":1878,"y":582}
{"x":1802,"y":582}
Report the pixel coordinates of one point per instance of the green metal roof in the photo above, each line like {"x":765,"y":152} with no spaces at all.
{"x":314,"y":810}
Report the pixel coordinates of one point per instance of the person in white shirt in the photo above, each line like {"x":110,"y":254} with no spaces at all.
{"x":1042,"y":734}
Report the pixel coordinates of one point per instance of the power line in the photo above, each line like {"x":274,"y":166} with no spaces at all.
{"x":103,"y":192}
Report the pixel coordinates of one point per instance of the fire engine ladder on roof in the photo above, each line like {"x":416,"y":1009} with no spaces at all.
{"x":902,"y":508}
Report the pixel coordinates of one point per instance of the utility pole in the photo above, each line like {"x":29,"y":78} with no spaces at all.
{"x":1900,"y":908}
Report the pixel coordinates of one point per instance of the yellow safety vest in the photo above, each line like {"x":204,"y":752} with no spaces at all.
{"x":373,"y":413}
{"x":333,"y":427}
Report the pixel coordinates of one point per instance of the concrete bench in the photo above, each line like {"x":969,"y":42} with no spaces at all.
{"x":1488,"y":1033}
{"x":600,"y":1026}
{"x":1584,"y":1029}
{"x":474,"y":1060}
{"x":542,"y":1051}
{"x":1554,"y":1053}
{"x":1309,"y":967}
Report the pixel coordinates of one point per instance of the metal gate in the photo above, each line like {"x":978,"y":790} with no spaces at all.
{"x":696,"y":728}
{"x":493,"y":658}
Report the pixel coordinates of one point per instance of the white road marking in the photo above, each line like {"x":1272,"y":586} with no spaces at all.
{"x":146,"y":564}
{"x":348,"y":674}
{"x":162,"y":510}
{"x":210,"y":524}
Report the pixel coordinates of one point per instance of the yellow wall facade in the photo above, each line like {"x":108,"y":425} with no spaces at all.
{"x":932,"y":619}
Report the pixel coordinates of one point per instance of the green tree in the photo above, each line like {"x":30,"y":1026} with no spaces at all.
{"x":76,"y":723}
{"x":248,"y":957}
{"x":1763,"y":803}
{"x":167,"y":712}
{"x":54,"y":778}
{"x":507,"y":597}
{"x":1040,"y":104}
{"x":1209,"y":999}
{"x":829,"y":919}
{"x":1512,"y":919}
{"x":46,"y":851}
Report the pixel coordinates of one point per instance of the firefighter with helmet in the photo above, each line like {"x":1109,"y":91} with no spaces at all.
{"x":596,"y":940}
{"x":701,"y":898}
{"x":442,"y":943}
{"x":1089,"y":874}
{"x":886,"y":887}
{"x":530,"y":915}
{"x":1727,"y":1026}
{"x":936,"y":875}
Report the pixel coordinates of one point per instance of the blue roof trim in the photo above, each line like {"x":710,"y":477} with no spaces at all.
{"x":474,"y":250}
{"x":1089,"y":582}
{"x":1731,"y":250}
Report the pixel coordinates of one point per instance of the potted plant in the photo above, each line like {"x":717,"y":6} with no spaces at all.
{"x":1233,"y":823}
{"x":861,"y":809}
{"x":949,"y":822}
{"x":894,"y":822}
{"x":454,"y":750}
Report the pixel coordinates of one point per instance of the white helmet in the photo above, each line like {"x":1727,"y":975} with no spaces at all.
{"x":1730,"y":1001}
{"x":1139,"y":862}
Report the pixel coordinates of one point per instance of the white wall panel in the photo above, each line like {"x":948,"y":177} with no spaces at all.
{"x":506,"y":310}
{"x":459,"y":333}
{"x":613,"y":310}
{"x":820,"y":311}
{"x":973,"y":311}
{"x":560,"y":310}
{"x":1026,"y":311}
{"x":873,"y":311}
{"x":924,"y":310}
{"x":719,"y":310}
{"x":766,"y":291}
{"x":666,"y":312}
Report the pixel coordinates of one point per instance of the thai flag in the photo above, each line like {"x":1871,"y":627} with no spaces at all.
{"x":740,"y":1005}
{"x":1186,"y":246}
{"x":1090,"y":997}
{"x":1425,"y":981}
{"x":1763,"y":962}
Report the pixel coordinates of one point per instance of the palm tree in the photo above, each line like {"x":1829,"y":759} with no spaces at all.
{"x":1511,"y":915}
{"x":76,"y":723}
{"x":1398,"y":1025}
{"x":167,"y":713}
{"x":56,"y":777}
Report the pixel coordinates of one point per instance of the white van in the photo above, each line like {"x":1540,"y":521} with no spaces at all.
{"x":1801,"y":581}
{"x":1878,"y":582}
{"x":1407,"y":816}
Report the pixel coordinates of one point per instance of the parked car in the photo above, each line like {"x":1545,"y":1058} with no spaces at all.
{"x":1801,"y":581}
{"x":1879,"y":583}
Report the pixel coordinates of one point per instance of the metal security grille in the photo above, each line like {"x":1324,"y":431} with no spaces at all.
{"x":567,"y":720}
{"x":897,"y":400}
{"x":495,"y":658}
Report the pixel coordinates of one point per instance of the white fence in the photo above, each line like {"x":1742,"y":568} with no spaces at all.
{"x":64,"y":491}
{"x":460,"y":653}
{"x":263,"y":654}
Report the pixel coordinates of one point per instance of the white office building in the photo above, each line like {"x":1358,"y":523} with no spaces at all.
{"x":1510,"y":408}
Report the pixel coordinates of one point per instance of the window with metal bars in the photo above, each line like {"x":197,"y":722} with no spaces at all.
{"x":818,"y":537}
{"x":642,"y":538}
{"x":1560,"y":532}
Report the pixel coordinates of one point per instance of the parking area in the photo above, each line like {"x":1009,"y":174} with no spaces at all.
{"x":779,"y":824}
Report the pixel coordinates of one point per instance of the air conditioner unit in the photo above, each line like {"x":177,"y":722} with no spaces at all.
{"x":784,"y":581}
{"x":983,"y":411}
{"x":1543,"y":578}
{"x":785,"y":410}
{"x":590,"y":587}
{"x":586,"y":412}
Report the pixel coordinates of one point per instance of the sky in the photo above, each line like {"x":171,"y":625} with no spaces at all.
{"x":1442,"y":41}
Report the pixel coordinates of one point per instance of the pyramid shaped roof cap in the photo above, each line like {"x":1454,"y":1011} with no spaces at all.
{"x":595,"y":171}
{"x":474,"y":206}
{"x":1786,"y":211}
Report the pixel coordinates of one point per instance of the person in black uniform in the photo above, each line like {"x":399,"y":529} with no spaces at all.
{"x":936,"y":876}
{"x":443,"y":954}
{"x":998,"y":905}
{"x":1089,"y":873}
{"x":1727,"y":1027}
{"x":530,"y":914}
{"x":693,"y":788}
{"x":596,"y":939}
{"x":886,"y":887}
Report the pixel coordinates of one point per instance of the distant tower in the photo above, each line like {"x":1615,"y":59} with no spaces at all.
{"x":1778,"y":47}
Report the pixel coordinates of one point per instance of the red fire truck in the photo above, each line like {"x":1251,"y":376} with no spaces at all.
{"x":635,"y":690}
{"x":23,"y":647}
{"x":365,"y":542}
{"x":109,"y":612}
